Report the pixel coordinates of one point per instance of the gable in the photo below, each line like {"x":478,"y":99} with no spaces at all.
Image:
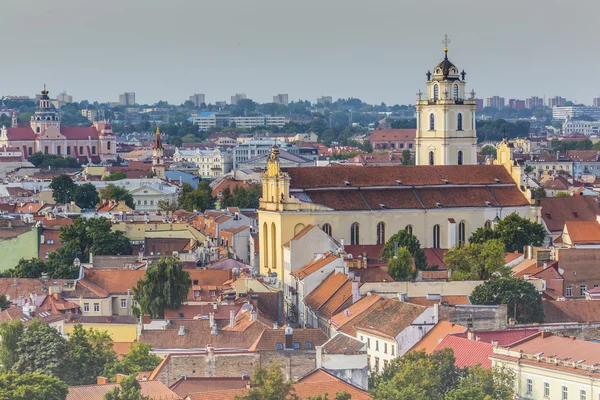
{"x":52,"y":133}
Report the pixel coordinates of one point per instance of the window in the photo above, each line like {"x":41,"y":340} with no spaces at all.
{"x":376,"y":363}
{"x":393,"y":350}
{"x":582,"y":395}
{"x":96,"y":307}
{"x":80,"y":149}
{"x":431,"y":160}
{"x":385,"y":363}
{"x":460,"y":157}
{"x":431,"y":122}
{"x":355,"y":234}
{"x":139,"y":202}
{"x":93,"y":149}
{"x":45,"y":149}
{"x":30,"y":151}
{"x":368,"y":361}
{"x":436,"y":236}
{"x":569,"y":291}
{"x":296,"y":345}
{"x":86,"y":307}
{"x":123,"y":303}
{"x":279,"y":346}
{"x":436,"y":92}
{"x":461,"y":234}
{"x":546,"y":389}
{"x":529,"y":386}
{"x":327,"y":229}
{"x":565,"y":393}
{"x":409,"y":229}
{"x":68,"y":150}
{"x":368,"y":343}
{"x":308,"y":345}
{"x":385,"y":348}
{"x":381,"y":233}
{"x":46,"y":255}
{"x":488,"y":224}
{"x":181,"y":315}
{"x":145,"y":202}
{"x":455,"y":92}
{"x":377,"y":345}
{"x":57,"y":149}
{"x":582,"y":290}
{"x":108,"y":145}
{"x":459,"y":122}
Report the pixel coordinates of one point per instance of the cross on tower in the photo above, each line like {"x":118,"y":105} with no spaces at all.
{"x":446,"y":42}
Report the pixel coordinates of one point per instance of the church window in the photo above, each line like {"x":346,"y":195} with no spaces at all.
{"x":37,"y":129}
{"x":460,"y":157}
{"x":459,"y":122}
{"x":431,"y":158}
{"x":298,"y":228}
{"x":108,"y":145}
{"x":409,"y":229}
{"x":355,"y":234}
{"x":48,"y":118}
{"x":266,"y":244}
{"x":273,"y":245}
{"x":487,"y":224}
{"x":327,"y":229}
{"x":68,"y":150}
{"x":455,"y":92}
{"x":461,"y":234}
{"x":58,"y":149}
{"x":431,"y":122}
{"x":381,"y":233}
{"x":436,"y":236}
{"x":93,"y":149}
{"x":436,"y":92}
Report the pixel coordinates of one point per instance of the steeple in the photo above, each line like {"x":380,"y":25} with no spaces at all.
{"x":45,"y":116}
{"x":157,"y":140}
{"x":158,"y":165}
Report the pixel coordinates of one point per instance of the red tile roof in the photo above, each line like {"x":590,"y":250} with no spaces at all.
{"x":390,"y":135}
{"x":326,"y":290}
{"x":390,"y":317}
{"x":155,"y":390}
{"x":345,"y":320}
{"x":583,"y":232}
{"x":271,"y":337}
{"x":435,"y":335}
{"x":468,"y":353}
{"x":315,"y":265}
{"x":583,"y":311}
{"x":504,"y":337}
{"x":557,"y":210}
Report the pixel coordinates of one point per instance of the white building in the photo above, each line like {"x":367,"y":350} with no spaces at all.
{"x":254,"y":148}
{"x":587,"y":128}
{"x":204,"y":120}
{"x":147,"y":193}
{"x":570,"y":112}
{"x":252,"y":122}
{"x":211,"y":163}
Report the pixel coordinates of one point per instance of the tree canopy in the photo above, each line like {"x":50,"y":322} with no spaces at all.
{"x":516,"y":233}
{"x":241,"y":197}
{"x":411,"y":243}
{"x":86,"y":196}
{"x":89,"y":352}
{"x":477,"y":261}
{"x":10,"y":332}
{"x":200,"y":199}
{"x":94,"y":235}
{"x":115,"y":176}
{"x":400,"y":267}
{"x":63,"y":189}
{"x":138,"y":359}
{"x":269,"y":384}
{"x":42,"y":160}
{"x":31,"y":386}
{"x":112,"y":192}
{"x":166,"y":284}
{"x":523,"y":300}
{"x":129,"y":389}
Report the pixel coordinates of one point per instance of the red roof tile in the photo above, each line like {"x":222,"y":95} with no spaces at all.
{"x":468,"y":353}
{"x":557,"y":210}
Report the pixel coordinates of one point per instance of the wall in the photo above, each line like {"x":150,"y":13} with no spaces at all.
{"x":25,"y":246}
{"x":482,"y":317}
{"x":351,"y":368}
{"x":579,"y":267}
{"x":118,"y":332}
{"x":420,"y":289}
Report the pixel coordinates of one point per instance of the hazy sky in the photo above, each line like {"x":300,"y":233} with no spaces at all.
{"x":373,"y":50}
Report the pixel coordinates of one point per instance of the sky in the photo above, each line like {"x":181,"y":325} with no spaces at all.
{"x":377,"y":50}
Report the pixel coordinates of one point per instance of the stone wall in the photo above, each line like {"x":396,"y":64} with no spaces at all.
{"x":480,"y":318}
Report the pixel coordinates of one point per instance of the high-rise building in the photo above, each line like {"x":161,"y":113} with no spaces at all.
{"x":596,"y":102}
{"x":495,"y":101}
{"x":237,"y":97}
{"x":197,"y":99}
{"x":556,"y":101}
{"x":516,"y":104}
{"x":281,"y":99}
{"x":61,"y":100}
{"x":479,"y":103}
{"x":325,"y":100}
{"x":534,"y":102}
{"x":127,"y":99}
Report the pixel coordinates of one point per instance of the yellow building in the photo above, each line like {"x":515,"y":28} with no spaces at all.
{"x":120,"y":332}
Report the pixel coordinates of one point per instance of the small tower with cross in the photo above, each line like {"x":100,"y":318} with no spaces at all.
{"x":158,"y":162}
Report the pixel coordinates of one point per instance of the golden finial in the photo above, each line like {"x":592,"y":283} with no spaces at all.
{"x":157,"y":131}
{"x":446,"y":42}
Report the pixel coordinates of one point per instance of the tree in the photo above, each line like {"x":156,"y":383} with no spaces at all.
{"x":400,"y":267}
{"x":338,"y":396}
{"x":94,"y":235}
{"x":166,"y":206}
{"x":112,"y":192}
{"x":10,"y":332}
{"x":523,"y":300}
{"x":241,"y":197}
{"x":41,"y":349}
{"x":477,"y":261}
{"x":407,"y":157}
{"x":129,"y":389}
{"x":52,"y":161}
{"x":4,"y":302}
{"x":411,"y":243}
{"x":166,"y":284}
{"x":86,"y":196}
{"x":538,"y":193}
{"x":484,"y":384}
{"x":488,"y":150}
{"x":269,"y":384}
{"x":115,"y":176}
{"x":137,"y":360}
{"x":31,"y":386}
{"x":514,"y":231}
{"x":562,"y":194}
{"x":89,"y":352}
{"x":63,"y":189}
{"x":32,"y":268}
{"x":199,"y":199}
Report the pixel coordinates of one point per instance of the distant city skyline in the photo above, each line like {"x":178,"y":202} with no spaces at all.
{"x":378,"y":52}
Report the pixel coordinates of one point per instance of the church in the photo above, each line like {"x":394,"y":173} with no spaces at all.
{"x":442,"y":200}
{"x":44,"y":133}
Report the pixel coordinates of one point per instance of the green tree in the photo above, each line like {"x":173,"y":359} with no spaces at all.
{"x":86,"y":196}
{"x":488,"y":150}
{"x":89,"y":352}
{"x":52,"y":161}
{"x":94,"y":235}
{"x":165,"y":205}
{"x":477,"y":261}
{"x":400,"y":267}
{"x":484,"y":384}
{"x":523,"y":300}
{"x":411,"y":243}
{"x":31,"y":386}
{"x":538,"y":193}
{"x":63,"y":189}
{"x":41,"y":349}
{"x":407,"y":157}
{"x":200,"y":199}
{"x":338,"y":396}
{"x":138,"y":359}
{"x":562,"y":194}
{"x":32,"y":268}
{"x":129,"y":389}
{"x":516,"y":233}
{"x":10,"y":332}
{"x":269,"y":384}
{"x":112,"y":192}
{"x":4,"y":302}
{"x":115,"y":176}
{"x":166,"y":284}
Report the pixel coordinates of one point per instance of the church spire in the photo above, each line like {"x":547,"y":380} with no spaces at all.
{"x":157,"y":140}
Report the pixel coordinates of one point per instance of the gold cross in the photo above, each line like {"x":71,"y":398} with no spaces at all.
{"x":446,"y":42}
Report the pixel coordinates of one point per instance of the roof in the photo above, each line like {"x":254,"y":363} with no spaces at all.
{"x":557,"y":210}
{"x":345,"y":320}
{"x":300,"y":234}
{"x":581,"y":232}
{"x":152,"y":389}
{"x":326,"y":290}
{"x":344,"y":344}
{"x":16,"y":287}
{"x":435,"y":257}
{"x":468,"y":353}
{"x":390,"y":317}
{"x":393,"y":135}
{"x":452,"y":300}
{"x":269,"y":339}
{"x":114,"y":280}
{"x":560,"y":347}
{"x":436,"y":334}
{"x":188,"y":385}
{"x":503,"y":337}
{"x":315,"y":265}
{"x":571,"y":311}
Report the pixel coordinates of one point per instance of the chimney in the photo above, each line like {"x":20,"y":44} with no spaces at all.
{"x":211,"y":319}
{"x":231,"y":319}
{"x":253,"y":315}
{"x":120,"y":377}
{"x":470,"y":335}
{"x":181,"y":330}
{"x":545,"y":265}
{"x":101,"y":380}
{"x":495,"y":342}
{"x":355,"y":292}
{"x":289,"y":338}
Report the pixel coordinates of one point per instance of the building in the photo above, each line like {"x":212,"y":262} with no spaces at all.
{"x":495,"y":101}
{"x":253,"y":122}
{"x":534,"y":102}
{"x":92,"y":115}
{"x":158,"y":157}
{"x":197,"y":99}
{"x":62,"y":99}
{"x":325,"y":100}
{"x":237,"y":97}
{"x":446,"y":119}
{"x":281,"y":98}
{"x":211,"y":163}
{"x":556,"y":101}
{"x":152,"y":390}
{"x":574,"y":112}
{"x":587,"y":128}
{"x":287,"y":160}
{"x":596,"y":102}
{"x":45,"y":134}
{"x":516,"y":104}
{"x":127,"y":99}
{"x":254,"y":148}
{"x":393,"y":139}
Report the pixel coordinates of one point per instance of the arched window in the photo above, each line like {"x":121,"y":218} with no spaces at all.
{"x":436,"y":92}
{"x":108,"y":145}
{"x":327,"y":229}
{"x":461,"y":234}
{"x":431,"y":122}
{"x":409,"y":229}
{"x":459,"y":122}
{"x":266,"y":244}
{"x":355,"y":234}
{"x":487,"y":224}
{"x":455,"y":92}
{"x":273,"y":246}
{"x":298,"y":228}
{"x":460,"y":157}
{"x":431,"y":160}
{"x":436,"y":236}
{"x":381,"y":233}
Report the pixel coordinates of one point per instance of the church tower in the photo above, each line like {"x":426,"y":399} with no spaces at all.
{"x":158,"y":163}
{"x":446,"y":118}
{"x":45,"y":116}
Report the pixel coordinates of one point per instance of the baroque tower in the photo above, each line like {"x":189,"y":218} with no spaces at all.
{"x":45,"y":116}
{"x":158,"y":163}
{"x":446,"y":118}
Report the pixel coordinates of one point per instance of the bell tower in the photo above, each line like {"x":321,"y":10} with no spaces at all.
{"x":158,"y":162}
{"x":275,"y":183}
{"x":446,"y":132}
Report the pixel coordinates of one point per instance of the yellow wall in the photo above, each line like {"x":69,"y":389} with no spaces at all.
{"x":119,"y":333}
